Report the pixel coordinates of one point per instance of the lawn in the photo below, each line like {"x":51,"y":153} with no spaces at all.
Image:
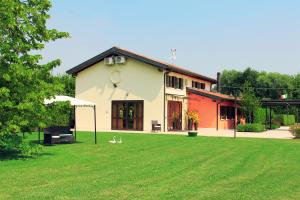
{"x":149,"y":166}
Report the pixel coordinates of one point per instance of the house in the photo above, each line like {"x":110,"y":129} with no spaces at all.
{"x":133,"y":91}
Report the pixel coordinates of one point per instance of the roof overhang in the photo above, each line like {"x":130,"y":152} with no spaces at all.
{"x":212,"y":95}
{"x":122,"y":52}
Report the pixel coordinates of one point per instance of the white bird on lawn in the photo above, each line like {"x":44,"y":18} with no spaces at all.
{"x":120,"y":141}
{"x":113,"y":141}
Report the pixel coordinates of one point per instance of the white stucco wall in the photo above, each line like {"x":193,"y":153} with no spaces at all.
{"x":180,"y":95}
{"x":139,"y":81}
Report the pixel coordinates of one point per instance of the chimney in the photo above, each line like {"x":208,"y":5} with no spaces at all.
{"x":218,"y":82}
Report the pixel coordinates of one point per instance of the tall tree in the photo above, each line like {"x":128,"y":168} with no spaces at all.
{"x":24,"y":82}
{"x":68,"y":83}
{"x":249,"y":102}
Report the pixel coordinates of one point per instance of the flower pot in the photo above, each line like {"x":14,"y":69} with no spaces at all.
{"x":190,"y":124}
{"x":196,"y":126}
{"x":193,"y":133}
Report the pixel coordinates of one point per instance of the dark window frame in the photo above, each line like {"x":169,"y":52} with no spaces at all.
{"x":198,"y":85}
{"x":136,"y":117}
{"x":175,"y":82}
{"x":227,"y":113}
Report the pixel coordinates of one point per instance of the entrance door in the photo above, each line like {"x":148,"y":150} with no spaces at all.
{"x":174,"y":115}
{"x":127,"y":115}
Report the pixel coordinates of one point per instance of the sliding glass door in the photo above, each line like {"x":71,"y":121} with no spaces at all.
{"x":127,"y":115}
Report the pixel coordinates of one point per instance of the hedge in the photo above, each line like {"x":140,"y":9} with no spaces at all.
{"x":260,"y":115}
{"x":286,"y":120}
{"x":255,"y":127}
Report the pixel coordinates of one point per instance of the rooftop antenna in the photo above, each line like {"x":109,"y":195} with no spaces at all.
{"x":173,"y":55}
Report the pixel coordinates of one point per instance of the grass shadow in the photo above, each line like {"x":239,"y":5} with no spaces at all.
{"x":17,"y":155}
{"x":42,"y":143}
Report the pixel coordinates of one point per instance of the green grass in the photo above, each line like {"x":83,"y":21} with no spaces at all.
{"x":149,"y":166}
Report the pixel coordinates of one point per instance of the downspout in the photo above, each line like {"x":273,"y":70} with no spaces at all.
{"x":164,"y":114}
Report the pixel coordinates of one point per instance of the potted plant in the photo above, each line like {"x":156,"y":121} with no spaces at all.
{"x":190,"y":120}
{"x":295,"y":130}
{"x":193,"y":133}
{"x":175,"y":119}
{"x":193,"y":120}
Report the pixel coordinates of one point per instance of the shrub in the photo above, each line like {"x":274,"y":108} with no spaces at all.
{"x":59,"y":114}
{"x":261,"y":115}
{"x":286,"y":120}
{"x":295,"y":130}
{"x":13,"y":144}
{"x":251,"y":127}
{"x":275,"y":126}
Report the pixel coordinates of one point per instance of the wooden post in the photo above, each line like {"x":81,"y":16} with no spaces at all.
{"x":235,"y":115}
{"x":270,"y":118}
{"x":39,"y":129}
{"x":95,"y":124}
{"x":266,"y":120}
{"x":217,"y":127}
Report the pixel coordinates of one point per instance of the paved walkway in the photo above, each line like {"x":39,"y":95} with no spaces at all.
{"x":281,"y":133}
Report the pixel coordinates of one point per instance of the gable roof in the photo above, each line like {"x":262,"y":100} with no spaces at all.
{"x":211,"y":95}
{"x":123,"y":52}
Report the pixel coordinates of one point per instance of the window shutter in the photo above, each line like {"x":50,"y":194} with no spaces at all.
{"x":202,"y":85}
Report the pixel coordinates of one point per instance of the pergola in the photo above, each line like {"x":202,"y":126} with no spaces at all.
{"x":76,"y":103}
{"x":280,"y":102}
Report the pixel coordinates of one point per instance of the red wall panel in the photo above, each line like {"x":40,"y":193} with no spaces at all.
{"x":207,"y":111}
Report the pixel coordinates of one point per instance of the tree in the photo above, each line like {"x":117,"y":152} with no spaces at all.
{"x":249,"y":102}
{"x":24,"y":82}
{"x":68,"y":82}
{"x":268,"y":85}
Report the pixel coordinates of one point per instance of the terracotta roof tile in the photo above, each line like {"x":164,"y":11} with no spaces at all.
{"x":212,"y":94}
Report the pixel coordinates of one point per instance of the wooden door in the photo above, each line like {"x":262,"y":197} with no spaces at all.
{"x":174,"y":115}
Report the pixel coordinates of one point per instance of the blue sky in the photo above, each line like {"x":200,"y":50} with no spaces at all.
{"x":209,"y":35}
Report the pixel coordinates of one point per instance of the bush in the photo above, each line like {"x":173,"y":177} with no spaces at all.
{"x":275,"y":126}
{"x":295,"y":130}
{"x":286,"y":120}
{"x":59,"y":114}
{"x":251,"y":127}
{"x":14,"y":144}
{"x":260,"y":116}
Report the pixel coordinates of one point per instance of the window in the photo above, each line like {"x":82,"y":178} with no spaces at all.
{"x":198,"y":85}
{"x":202,"y":86}
{"x":174,"y":82}
{"x":227,"y":112}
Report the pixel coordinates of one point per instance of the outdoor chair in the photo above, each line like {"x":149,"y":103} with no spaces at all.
{"x":57,"y":135}
{"x":155,"y":126}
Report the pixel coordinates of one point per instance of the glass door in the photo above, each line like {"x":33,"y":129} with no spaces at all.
{"x":127,"y":115}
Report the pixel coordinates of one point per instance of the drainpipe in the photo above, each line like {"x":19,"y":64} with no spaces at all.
{"x":164,"y":114}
